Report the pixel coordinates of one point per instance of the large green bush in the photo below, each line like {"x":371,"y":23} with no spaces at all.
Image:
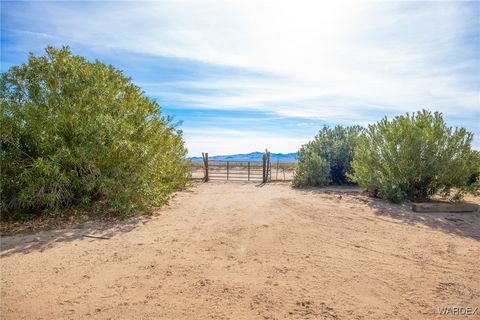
{"x":415,"y":156}
{"x":326,"y":159}
{"x":74,"y":131}
{"x":312,"y":171}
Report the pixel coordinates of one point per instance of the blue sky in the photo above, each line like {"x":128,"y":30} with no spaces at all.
{"x":241,"y":76}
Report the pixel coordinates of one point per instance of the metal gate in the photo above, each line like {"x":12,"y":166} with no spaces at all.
{"x":237,"y":170}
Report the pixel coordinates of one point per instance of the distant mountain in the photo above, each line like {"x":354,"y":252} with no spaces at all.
{"x":254,"y":156}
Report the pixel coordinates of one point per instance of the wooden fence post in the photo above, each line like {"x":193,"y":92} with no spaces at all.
{"x":248,"y":179}
{"x":269,"y":166}
{"x":264,"y":178}
{"x":228,"y":169}
{"x":276,"y":174}
{"x":205,"y":165}
{"x":269,"y":171}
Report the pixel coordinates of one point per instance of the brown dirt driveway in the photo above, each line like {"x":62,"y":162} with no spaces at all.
{"x":245,"y":251}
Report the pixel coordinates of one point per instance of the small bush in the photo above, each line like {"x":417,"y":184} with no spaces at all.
{"x":312,"y":171}
{"x":412,"y":157}
{"x":74,"y":131}
{"x":333,"y":146}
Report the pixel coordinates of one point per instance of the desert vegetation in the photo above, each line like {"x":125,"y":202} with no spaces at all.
{"x":75,"y":132}
{"x":415,"y":156}
{"x":327,"y":158}
{"x":411,"y":157}
{"x":80,"y":133}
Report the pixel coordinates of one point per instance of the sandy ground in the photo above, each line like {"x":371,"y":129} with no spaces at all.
{"x":244,"y":251}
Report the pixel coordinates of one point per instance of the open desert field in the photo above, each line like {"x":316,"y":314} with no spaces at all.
{"x":224,"y":250}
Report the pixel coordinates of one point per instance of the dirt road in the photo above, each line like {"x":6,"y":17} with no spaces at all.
{"x":241,"y":251}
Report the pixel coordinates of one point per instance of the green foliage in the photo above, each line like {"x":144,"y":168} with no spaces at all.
{"x":333,"y":146}
{"x":312,"y":171}
{"x":415,"y":156}
{"x":74,"y":131}
{"x":474,"y":179}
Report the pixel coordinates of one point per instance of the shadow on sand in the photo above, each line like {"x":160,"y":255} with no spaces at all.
{"x":465,"y":224}
{"x":458,"y":224}
{"x":39,"y":241}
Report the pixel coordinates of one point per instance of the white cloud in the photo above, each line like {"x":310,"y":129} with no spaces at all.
{"x":401,"y":58}
{"x":334,"y":59}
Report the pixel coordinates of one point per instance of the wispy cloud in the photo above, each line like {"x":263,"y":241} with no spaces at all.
{"x":337,"y":62}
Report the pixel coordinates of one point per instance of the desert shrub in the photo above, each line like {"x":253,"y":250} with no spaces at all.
{"x":74,"y":131}
{"x":312,"y":171}
{"x":414,"y":156}
{"x":474,"y":179}
{"x":335,"y":147}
